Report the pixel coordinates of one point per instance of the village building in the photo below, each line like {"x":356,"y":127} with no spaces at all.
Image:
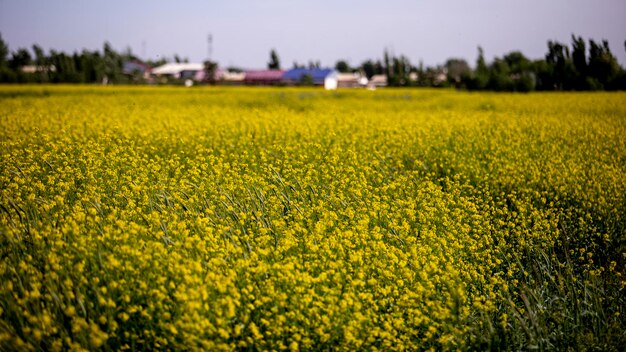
{"x":317,"y":76}
{"x":178,"y":70}
{"x":264,"y":77}
{"x":35,"y":68}
{"x":351,"y":80}
{"x":230,"y":77}
{"x":377,"y":81}
{"x":136,"y":68}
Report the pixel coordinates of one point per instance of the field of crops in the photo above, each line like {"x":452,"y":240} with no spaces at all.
{"x":156,"y":218}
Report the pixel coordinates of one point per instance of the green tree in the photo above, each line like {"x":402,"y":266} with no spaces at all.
{"x":42,"y":63}
{"x":371,"y":68}
{"x":6,"y":74}
{"x":579,"y":59}
{"x":500,"y":76}
{"x":112,"y":63}
{"x":579,"y":54}
{"x":92,"y":67}
{"x":4,"y":52}
{"x":210,"y":71}
{"x":391,"y":79}
{"x":562,"y":67}
{"x":274,"y":63}
{"x":235,"y":69}
{"x":401,"y":70}
{"x":520,"y":71}
{"x":603,"y":66}
{"x":479,"y":78}
{"x":19,"y":59}
{"x":456,"y":70}
{"x":64,"y":71}
{"x":397,"y":69}
{"x":40,"y":56}
{"x":343,"y":66}
{"x":543,"y":75}
{"x":180,"y":60}
{"x":314,"y":64}
{"x":156,"y":63}
{"x":419,"y":70}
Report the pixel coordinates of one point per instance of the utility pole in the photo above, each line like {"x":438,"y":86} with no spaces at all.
{"x":210,"y":46}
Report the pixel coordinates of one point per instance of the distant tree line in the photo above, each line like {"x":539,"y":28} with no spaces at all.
{"x":106,"y":66}
{"x":583,"y":66}
{"x":579,"y":68}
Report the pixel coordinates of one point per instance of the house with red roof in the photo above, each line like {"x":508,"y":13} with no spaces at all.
{"x":264,"y":77}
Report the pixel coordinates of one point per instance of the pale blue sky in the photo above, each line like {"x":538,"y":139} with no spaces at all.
{"x":245,"y":30}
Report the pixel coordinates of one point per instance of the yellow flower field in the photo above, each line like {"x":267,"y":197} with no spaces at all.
{"x":156,"y":218}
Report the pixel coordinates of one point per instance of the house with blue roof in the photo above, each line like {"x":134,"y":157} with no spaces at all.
{"x":318,"y":76}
